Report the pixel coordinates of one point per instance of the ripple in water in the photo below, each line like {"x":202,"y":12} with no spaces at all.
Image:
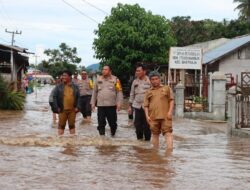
{"x":71,"y":140}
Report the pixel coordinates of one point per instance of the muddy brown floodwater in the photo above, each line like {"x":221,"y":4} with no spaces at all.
{"x":32,"y":156}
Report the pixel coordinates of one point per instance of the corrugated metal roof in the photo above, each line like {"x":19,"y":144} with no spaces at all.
{"x":228,"y":47}
{"x":16,"y":48}
{"x":209,"y":45}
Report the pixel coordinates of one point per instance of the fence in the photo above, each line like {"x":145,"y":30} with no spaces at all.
{"x":230,"y":80}
{"x":243,"y":101}
{"x":196,"y":93}
{"x":214,"y":85}
{"x":242,"y":111}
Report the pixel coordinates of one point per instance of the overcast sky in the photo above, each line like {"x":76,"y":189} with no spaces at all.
{"x":47,"y":23}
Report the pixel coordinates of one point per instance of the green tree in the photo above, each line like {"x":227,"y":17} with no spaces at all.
{"x":129,"y":35}
{"x":237,"y":28}
{"x":214,"y":29}
{"x":188,"y":31}
{"x":244,"y":9}
{"x":60,"y":59}
{"x":182,"y":28}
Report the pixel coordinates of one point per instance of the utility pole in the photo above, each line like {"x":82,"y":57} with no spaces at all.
{"x":12,"y":67}
{"x":13,"y":35}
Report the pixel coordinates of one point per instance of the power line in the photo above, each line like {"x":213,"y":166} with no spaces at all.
{"x":32,"y":27}
{"x":79,"y":11}
{"x":5,"y":14}
{"x":94,"y":6}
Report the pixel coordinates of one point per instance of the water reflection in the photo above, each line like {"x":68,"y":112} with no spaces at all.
{"x":70,"y":150}
{"x":156,"y":164}
{"x":107,"y":150}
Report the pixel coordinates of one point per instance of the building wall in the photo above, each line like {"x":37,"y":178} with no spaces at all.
{"x":6,"y":76}
{"x":237,"y":62}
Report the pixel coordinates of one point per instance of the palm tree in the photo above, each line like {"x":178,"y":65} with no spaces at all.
{"x":244,"y":9}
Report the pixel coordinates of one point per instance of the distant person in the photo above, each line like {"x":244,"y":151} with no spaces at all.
{"x":58,"y":79}
{"x":25,"y":84}
{"x":159,"y":105}
{"x":67,"y":103}
{"x":138,"y":89}
{"x":75,"y":78}
{"x":86,"y":88}
{"x":107,"y":96}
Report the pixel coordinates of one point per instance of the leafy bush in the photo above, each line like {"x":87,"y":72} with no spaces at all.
{"x":10,"y":98}
{"x":199,"y":100}
{"x":3,"y":88}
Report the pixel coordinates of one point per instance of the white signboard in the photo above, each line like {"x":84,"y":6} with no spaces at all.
{"x":185,"y":58}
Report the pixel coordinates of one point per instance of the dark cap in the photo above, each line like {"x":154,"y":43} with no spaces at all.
{"x":75,"y":73}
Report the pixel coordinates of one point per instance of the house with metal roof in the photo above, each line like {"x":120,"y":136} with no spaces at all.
{"x":231,"y":57}
{"x":209,"y":45}
{"x":228,"y":56}
{"x":13,"y":62}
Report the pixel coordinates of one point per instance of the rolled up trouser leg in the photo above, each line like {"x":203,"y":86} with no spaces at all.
{"x":62,"y":120}
{"x":71,"y":118}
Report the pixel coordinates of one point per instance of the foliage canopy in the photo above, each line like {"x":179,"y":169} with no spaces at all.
{"x":244,"y":9}
{"x":10,"y":98}
{"x":131,"y":35}
{"x":64,"y":58}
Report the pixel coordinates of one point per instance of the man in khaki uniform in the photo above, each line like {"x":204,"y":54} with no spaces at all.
{"x":159,"y":105}
{"x":75,"y":78}
{"x":107,"y":96}
{"x":138,"y":89}
{"x":85,"y":87}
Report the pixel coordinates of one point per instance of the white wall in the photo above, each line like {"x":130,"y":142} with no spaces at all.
{"x":6,"y":76}
{"x":236,"y":63}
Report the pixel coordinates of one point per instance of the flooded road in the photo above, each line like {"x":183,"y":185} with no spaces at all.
{"x":32,"y":156}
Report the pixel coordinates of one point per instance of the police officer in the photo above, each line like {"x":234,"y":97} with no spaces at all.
{"x":75,"y":78}
{"x":107,"y":96}
{"x":138,"y":89}
{"x":85,"y":87}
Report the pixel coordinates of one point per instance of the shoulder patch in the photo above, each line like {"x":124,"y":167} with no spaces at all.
{"x":118,"y":85}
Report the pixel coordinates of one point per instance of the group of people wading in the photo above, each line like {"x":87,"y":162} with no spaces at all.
{"x":151,"y":102}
